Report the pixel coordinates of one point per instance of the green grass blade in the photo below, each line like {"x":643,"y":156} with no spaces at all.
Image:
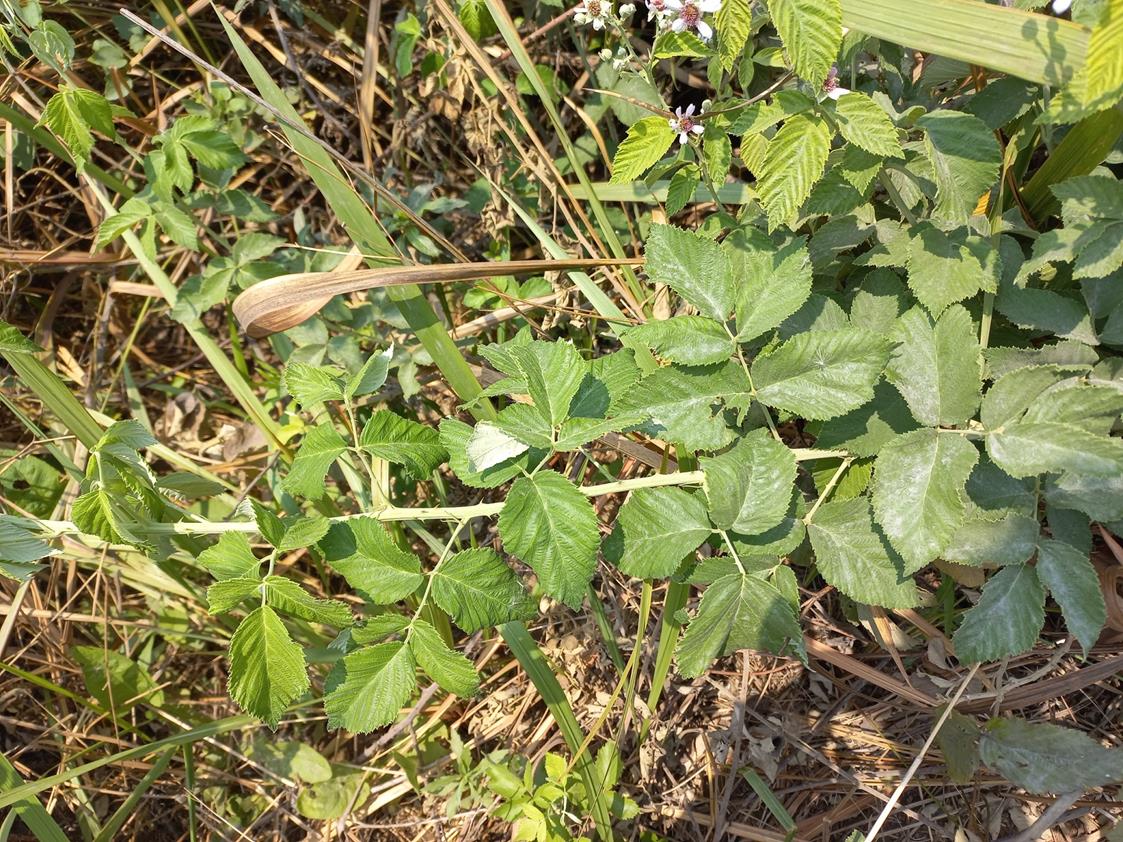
{"x":55,"y":395}
{"x":1079,"y":152}
{"x":28,"y":809}
{"x":769,"y":799}
{"x":122,"y":813}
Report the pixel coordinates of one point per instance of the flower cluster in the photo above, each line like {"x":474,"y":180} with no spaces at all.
{"x":599,"y":13}
{"x":683,"y":15}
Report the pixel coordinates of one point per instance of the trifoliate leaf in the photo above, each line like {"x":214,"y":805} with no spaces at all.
{"x":738,"y":611}
{"x":821,"y":374}
{"x":1072,"y":580}
{"x":319,"y":449}
{"x":795,"y":160}
{"x":936,"y":366}
{"x":749,"y":486}
{"x":369,"y":687}
{"x":1027,"y":448}
{"x":864,"y":123}
{"x":771,"y":284}
{"x":1006,"y":619}
{"x":693,"y":266}
{"x":548,"y":523}
{"x":948,"y":267}
{"x":1042,"y":757}
{"x":362,"y":552}
{"x":414,"y":446}
{"x":231,"y":558}
{"x":478,"y":589}
{"x":451,"y":670}
{"x":918,"y":492}
{"x":855,"y":559}
{"x":647,"y":141}
{"x":267,"y":669}
{"x":965,"y":159}
{"x":689,"y":340}
{"x":655,"y":530}
{"x":812,"y":34}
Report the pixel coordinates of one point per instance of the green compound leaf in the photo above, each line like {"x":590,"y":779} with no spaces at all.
{"x":655,"y":530}
{"x":647,"y":141}
{"x":369,"y":687}
{"x":864,"y":123}
{"x":812,"y":34}
{"x":693,"y":266}
{"x":918,"y":492}
{"x":414,"y":446}
{"x":551,"y":525}
{"x":689,"y":340}
{"x":823,"y":373}
{"x":73,"y":114}
{"x":855,"y":559}
{"x":320,"y":448}
{"x":749,"y":486}
{"x":267,"y":669}
{"x":1007,"y":618}
{"x":452,"y":671}
{"x":362,"y":552}
{"x":1072,"y":580}
{"x":1041,"y":757}
{"x":738,"y":611}
{"x":478,"y":589}
{"x":1016,"y":391}
{"x":965,"y":159}
{"x":1028,"y":448}
{"x":795,"y":160}
{"x":771,"y":283}
{"x":936,"y":366}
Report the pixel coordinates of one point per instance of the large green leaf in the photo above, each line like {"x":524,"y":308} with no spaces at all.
{"x":1016,"y":391}
{"x":553,"y":372}
{"x":693,"y":266}
{"x":647,"y":141}
{"x":1042,"y":757}
{"x":690,"y":340}
{"x":946,"y":267}
{"x":979,"y":540}
{"x":1006,"y":619}
{"x":478,"y":590}
{"x":319,"y":449}
{"x":551,"y":525}
{"x":771,"y":284}
{"x":1072,"y":580}
{"x":231,"y":558}
{"x":823,"y":373}
{"x":369,"y":687}
{"x":795,"y":160}
{"x":936,"y":366}
{"x":267,"y":669}
{"x":290,"y":598}
{"x":865,"y":430}
{"x":655,"y":530}
{"x":749,"y":486}
{"x":918,"y":492}
{"x":414,"y":446}
{"x":965,"y":158}
{"x":812,"y":34}
{"x":855,"y":559}
{"x":734,"y":23}
{"x":1027,"y":448}
{"x":451,"y":670}
{"x":864,"y":123}
{"x":364,"y":554}
{"x":738,"y":611}
{"x":455,"y":437}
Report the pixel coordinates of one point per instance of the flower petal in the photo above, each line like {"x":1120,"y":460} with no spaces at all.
{"x":705,"y":31}
{"x":835,"y":93}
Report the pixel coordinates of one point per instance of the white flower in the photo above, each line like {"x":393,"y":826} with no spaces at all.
{"x":685,"y":123}
{"x":627,"y":10}
{"x":836,"y":92}
{"x":1061,"y":6}
{"x":596,"y":12}
{"x":688,"y":16}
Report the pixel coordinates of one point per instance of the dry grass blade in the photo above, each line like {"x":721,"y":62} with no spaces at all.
{"x":285,"y":301}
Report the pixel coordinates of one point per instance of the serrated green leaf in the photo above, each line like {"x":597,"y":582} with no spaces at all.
{"x":948,"y":267}
{"x":231,"y":558}
{"x":310,"y":385}
{"x":1099,"y":83}
{"x":1016,"y":391}
{"x":1099,"y":497}
{"x":490,"y":446}
{"x":771,"y":283}
{"x":655,"y":530}
{"x":1006,"y":619}
{"x":1042,"y":757}
{"x":918,"y":492}
{"x":454,"y":437}
{"x":1042,"y":309}
{"x":451,"y":670}
{"x":682,"y":187}
{"x":822,"y":373}
{"x":369,"y":687}
{"x":795,"y":160}
{"x":228,"y":594}
{"x":14,"y":342}
{"x":738,"y":611}
{"x":936,"y":366}
{"x":553,"y":372}
{"x":577,"y":432}
{"x":379,"y":627}
{"x":1028,"y":448}
{"x":855,"y":559}
{"x":288,"y":597}
{"x":965,"y":159}
{"x":371,"y":377}
{"x":865,"y":430}
{"x":693,"y":266}
{"x":812,"y":34}
{"x":734,"y":23}
{"x":992,"y":493}
{"x":128,"y":215}
{"x":364,"y":554}
{"x":93,"y":513}
{"x":1072,"y":580}
{"x":301,"y":532}
{"x":115,"y":680}
{"x":670,"y":44}
{"x":267,"y":669}
{"x":979,"y":540}
{"x":479,"y":590}
{"x":690,"y":340}
{"x":72,"y":114}
{"x":865,"y":124}
{"x":548,"y":523}
{"x":749,"y":486}
{"x":415,"y":447}
{"x":321,"y":446}
{"x":647,"y":142}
